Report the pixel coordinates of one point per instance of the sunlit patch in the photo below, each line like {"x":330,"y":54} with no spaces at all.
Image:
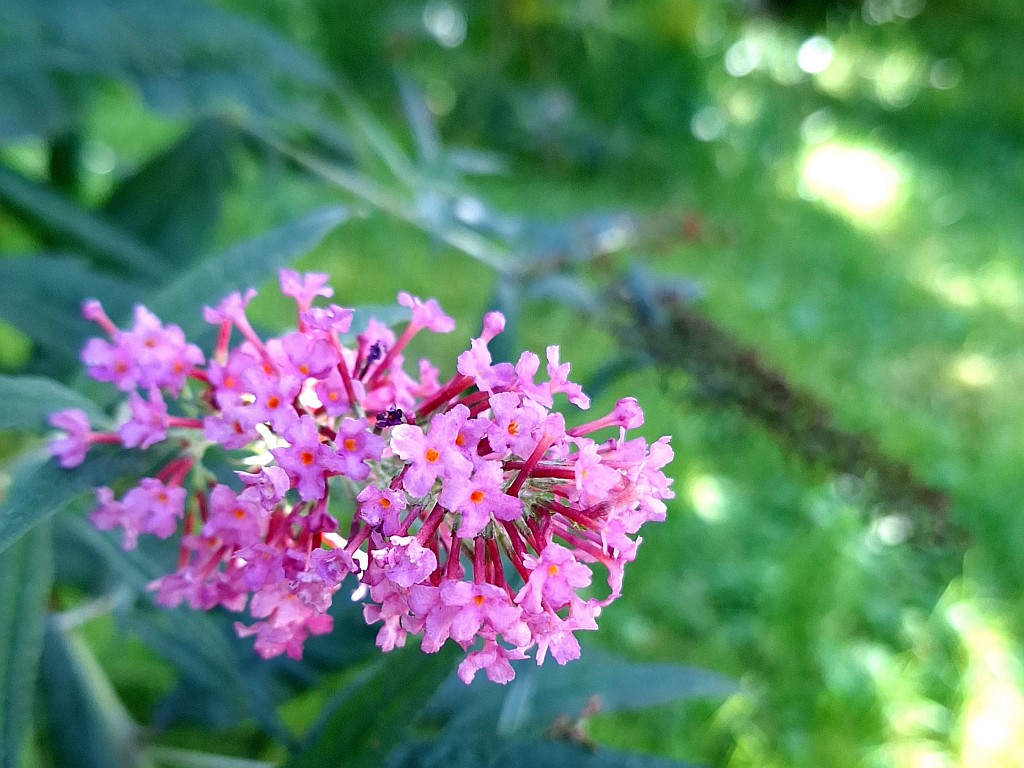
{"x":992,"y":718}
{"x":743,"y":57}
{"x":445,"y":22}
{"x":891,"y":530}
{"x":898,"y":78}
{"x":997,"y":285}
{"x":815,"y":54}
{"x":707,"y":496}
{"x":708,"y":124}
{"x":857,"y":181}
{"x":975,"y":370}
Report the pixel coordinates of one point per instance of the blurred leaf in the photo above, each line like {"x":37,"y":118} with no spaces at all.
{"x":475,"y":750}
{"x":42,"y":296}
{"x":89,"y":727}
{"x":245,"y":265}
{"x":477,"y":162}
{"x":214,"y":669}
{"x":539,"y":695}
{"x":39,"y":487}
{"x":187,"y":758}
{"x":600,"y":380}
{"x":180,"y":55}
{"x":27,"y":401}
{"x":25,"y":576}
{"x":566,"y":289}
{"x":371,"y":716}
{"x":173,"y":202}
{"x":428,"y":213}
{"x":55,"y":215}
{"x":421,"y":121}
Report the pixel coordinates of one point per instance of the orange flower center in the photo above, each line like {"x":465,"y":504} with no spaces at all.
{"x":476,"y":497}
{"x":350,"y":444}
{"x":552,"y":570}
{"x":431,"y":455}
{"x":306,"y":458}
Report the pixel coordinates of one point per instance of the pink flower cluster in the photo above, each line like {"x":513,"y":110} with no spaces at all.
{"x":478,"y":516}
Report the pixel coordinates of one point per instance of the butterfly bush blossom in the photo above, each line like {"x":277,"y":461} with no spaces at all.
{"x":478,"y":515}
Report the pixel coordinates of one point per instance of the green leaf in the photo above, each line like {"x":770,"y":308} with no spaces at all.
{"x":476,"y":750}
{"x":26,"y":401}
{"x":39,"y":488}
{"x":173,"y":202}
{"x":25,"y":574}
{"x":89,"y":727}
{"x":372,"y":715}
{"x":42,"y":297}
{"x":540,"y":695}
{"x":245,"y":265}
{"x":183,"y":57}
{"x":55,"y":215}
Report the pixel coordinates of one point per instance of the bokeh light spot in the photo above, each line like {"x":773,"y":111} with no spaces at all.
{"x":855,"y":180}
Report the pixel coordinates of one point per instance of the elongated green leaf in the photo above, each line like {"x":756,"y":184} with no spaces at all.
{"x":181,"y":56}
{"x":39,"y":487}
{"x":173,"y":202}
{"x":56,"y":215}
{"x":26,"y":401}
{"x":25,"y":573}
{"x":476,"y":750}
{"x":42,"y":296}
{"x":539,"y":695}
{"x":89,"y":727}
{"x":372,"y":715}
{"x":243,"y":266}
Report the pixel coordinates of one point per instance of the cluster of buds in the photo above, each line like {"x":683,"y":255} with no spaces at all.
{"x":476,"y":514}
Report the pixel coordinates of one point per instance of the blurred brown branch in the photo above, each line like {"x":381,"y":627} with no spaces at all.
{"x":725,"y":373}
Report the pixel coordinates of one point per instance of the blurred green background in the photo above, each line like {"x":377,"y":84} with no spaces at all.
{"x":837,"y":186}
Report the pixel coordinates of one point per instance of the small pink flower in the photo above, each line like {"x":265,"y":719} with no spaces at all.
{"x":479,"y":497}
{"x":266,"y":487}
{"x":433,"y":454}
{"x":356,"y":445}
{"x":494,"y":660}
{"x":231,"y":308}
{"x":427,"y":314}
{"x":70,"y":448}
{"x":233,"y":520}
{"x":476,"y":363}
{"x":304,"y":288}
{"x":554,"y":577}
{"x":307,"y":460}
{"x":405,"y":561}
{"x":380,"y":507}
{"x":330,"y":319}
{"x":148,"y":423}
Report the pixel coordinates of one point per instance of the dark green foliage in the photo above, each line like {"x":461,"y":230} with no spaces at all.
{"x":25,"y":578}
{"x":27,"y":401}
{"x":372,"y":715}
{"x":40,"y":488}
